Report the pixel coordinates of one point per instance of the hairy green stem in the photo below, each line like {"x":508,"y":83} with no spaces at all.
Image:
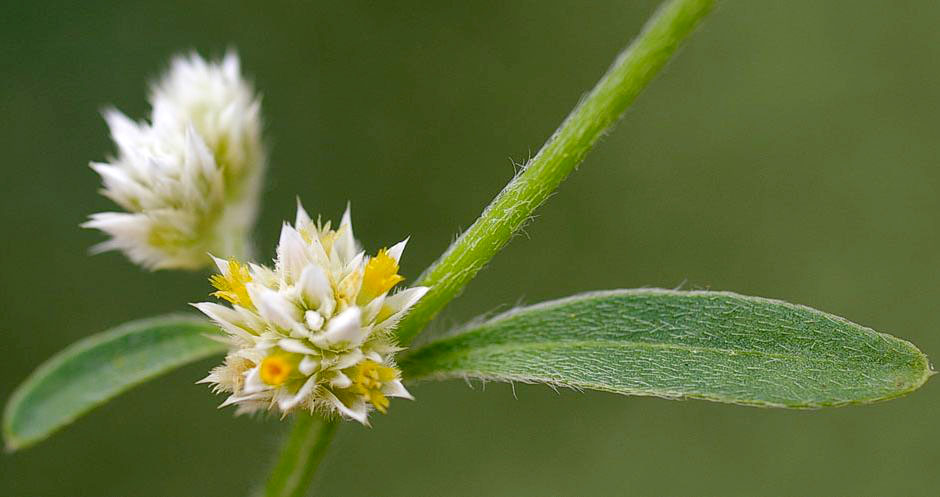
{"x":514,"y":205}
{"x":300,"y":456}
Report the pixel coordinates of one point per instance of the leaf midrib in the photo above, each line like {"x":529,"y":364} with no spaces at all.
{"x":542,"y":345}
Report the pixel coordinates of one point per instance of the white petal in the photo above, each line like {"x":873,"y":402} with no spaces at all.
{"x":340,"y":381}
{"x":222,"y":265}
{"x":228,"y":319}
{"x":359,"y":411}
{"x":119,"y":186}
{"x":295,"y":346}
{"x":403,"y":300}
{"x":292,"y":253}
{"x":253,"y":382}
{"x":316,"y":290}
{"x":127,"y":134}
{"x":300,"y":331}
{"x":120,"y":224}
{"x":371,"y":310}
{"x":250,"y":319}
{"x":198,"y":156}
{"x":314,"y":320}
{"x":345,"y":328}
{"x":308,"y":365}
{"x":273,"y":307}
{"x":302,"y":221}
{"x":351,"y":283}
{"x":397,"y":249}
{"x":396,"y":389}
{"x":400,"y":303}
{"x":355,"y":263}
{"x":348,"y":360}
{"x":345,"y":245}
{"x":303,"y":393}
{"x":211,"y":378}
{"x":234,"y":399}
{"x":231,"y":65}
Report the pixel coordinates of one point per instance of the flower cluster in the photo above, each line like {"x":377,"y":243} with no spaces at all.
{"x":189,"y":180}
{"x":314,"y":332}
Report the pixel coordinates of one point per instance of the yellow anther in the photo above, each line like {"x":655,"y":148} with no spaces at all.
{"x":275,"y":369}
{"x":327,"y":238}
{"x":380,"y":275}
{"x":368,"y":377}
{"x":232,"y":287}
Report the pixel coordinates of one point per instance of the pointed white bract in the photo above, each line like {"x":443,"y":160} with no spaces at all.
{"x":189,"y":180}
{"x":315,"y":332}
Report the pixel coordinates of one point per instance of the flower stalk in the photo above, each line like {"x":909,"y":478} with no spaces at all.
{"x":300,"y":456}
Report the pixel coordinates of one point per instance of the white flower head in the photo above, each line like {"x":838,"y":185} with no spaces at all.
{"x":189,"y":180}
{"x":315,"y":332}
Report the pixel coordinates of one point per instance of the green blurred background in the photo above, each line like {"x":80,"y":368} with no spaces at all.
{"x":790,"y":151}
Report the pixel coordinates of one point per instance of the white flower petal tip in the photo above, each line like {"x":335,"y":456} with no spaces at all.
{"x":302,"y":220}
{"x":399,"y":304}
{"x":359,"y":411}
{"x":235,"y":399}
{"x":221,"y":264}
{"x":397,"y":249}
{"x":189,"y":178}
{"x":313,"y":332}
{"x":208,"y":379}
{"x":345,"y":244}
{"x":293,"y":254}
{"x":253,"y":382}
{"x":288,"y":403}
{"x":396,"y":389}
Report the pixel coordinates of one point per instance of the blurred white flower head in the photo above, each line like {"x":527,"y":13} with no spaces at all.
{"x":188,"y":181}
{"x":315,"y":332}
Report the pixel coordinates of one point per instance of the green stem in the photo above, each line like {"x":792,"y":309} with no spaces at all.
{"x":510,"y":210}
{"x":300,"y":456}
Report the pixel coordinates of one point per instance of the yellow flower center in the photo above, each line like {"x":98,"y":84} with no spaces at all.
{"x":275,"y":369}
{"x":232,"y":287}
{"x":367,"y":380}
{"x":380,"y":275}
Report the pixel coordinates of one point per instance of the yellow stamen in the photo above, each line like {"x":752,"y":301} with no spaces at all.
{"x":380,"y":275}
{"x":275,"y":369}
{"x":367,"y":380}
{"x":232,"y":287}
{"x":326,"y":240}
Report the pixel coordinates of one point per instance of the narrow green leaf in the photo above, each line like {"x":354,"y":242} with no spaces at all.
{"x":707,"y":345}
{"x":96,"y":369}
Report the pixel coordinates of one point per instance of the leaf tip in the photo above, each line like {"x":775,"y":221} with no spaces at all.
{"x":924,"y":371}
{"x":10,"y":443}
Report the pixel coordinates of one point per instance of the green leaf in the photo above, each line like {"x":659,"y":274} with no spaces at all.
{"x":707,"y":345}
{"x":96,"y":369}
